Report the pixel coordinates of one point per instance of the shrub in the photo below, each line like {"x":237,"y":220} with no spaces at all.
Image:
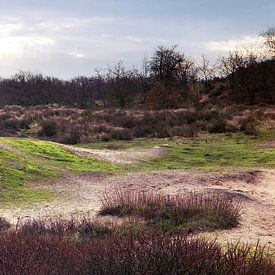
{"x":13,"y":124}
{"x":72,"y":135}
{"x":106,"y":137}
{"x":49,"y":128}
{"x":146,"y":254}
{"x":73,"y":125}
{"x":217,"y":125}
{"x":34,"y":254}
{"x":79,"y":227}
{"x":249,"y":125}
{"x":4,"y":224}
{"x":161,"y":97}
{"x":122,"y":134}
{"x":142,"y":131}
{"x":192,"y":211}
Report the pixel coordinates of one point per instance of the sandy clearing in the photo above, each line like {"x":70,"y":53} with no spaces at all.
{"x":128,"y":156}
{"x":255,"y":188}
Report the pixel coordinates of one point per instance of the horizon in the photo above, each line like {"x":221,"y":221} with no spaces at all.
{"x":68,"y":39}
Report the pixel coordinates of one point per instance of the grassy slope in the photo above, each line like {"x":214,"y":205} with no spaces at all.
{"x":17,"y":173}
{"x":47,"y":160}
{"x":61,"y":157}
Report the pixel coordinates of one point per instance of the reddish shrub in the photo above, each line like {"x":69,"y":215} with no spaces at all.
{"x":161,"y":97}
{"x":195,"y":209}
{"x":146,"y":254}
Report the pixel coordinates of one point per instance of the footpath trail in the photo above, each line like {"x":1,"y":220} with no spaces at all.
{"x":123,"y":157}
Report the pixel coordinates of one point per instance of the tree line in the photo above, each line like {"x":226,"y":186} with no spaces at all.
{"x":168,"y":79}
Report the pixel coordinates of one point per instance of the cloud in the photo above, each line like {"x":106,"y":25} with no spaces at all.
{"x":134,"y":39}
{"x":25,"y":40}
{"x":106,"y":35}
{"x":243,"y":44}
{"x":13,"y":47}
{"x":76,"y":54}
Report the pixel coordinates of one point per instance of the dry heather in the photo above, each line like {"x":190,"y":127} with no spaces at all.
{"x":56,"y":248}
{"x":73,"y":125}
{"x":193,"y":211}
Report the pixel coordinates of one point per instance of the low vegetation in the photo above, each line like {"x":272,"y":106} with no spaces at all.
{"x":77,"y":227}
{"x":190,"y":212}
{"x":32,"y":250}
{"x":73,"y":125}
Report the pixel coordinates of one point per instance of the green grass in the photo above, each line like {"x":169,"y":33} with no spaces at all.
{"x":61,"y":157}
{"x":214,"y":154}
{"x":209,"y":152}
{"x":17,"y":173}
{"x":46,"y":161}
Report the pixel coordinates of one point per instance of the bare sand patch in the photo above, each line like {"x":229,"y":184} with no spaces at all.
{"x":128,"y":156}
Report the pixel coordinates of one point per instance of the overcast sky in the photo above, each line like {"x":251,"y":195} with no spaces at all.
{"x":68,"y":38}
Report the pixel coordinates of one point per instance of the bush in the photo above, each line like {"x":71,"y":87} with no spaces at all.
{"x":106,"y":137}
{"x":4,"y":224}
{"x":34,"y":254}
{"x":13,"y":124}
{"x":160,"y":97}
{"x":218,"y":125}
{"x":192,"y":211}
{"x":249,"y":125}
{"x":79,"y":227}
{"x":73,"y":136}
{"x":122,"y":134}
{"x":73,"y":125}
{"x":142,"y":131}
{"x":146,"y":254}
{"x":49,"y":128}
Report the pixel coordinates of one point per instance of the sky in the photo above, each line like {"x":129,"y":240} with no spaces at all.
{"x":68,"y":38}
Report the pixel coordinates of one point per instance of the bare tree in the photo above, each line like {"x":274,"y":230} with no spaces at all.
{"x":163,"y":64}
{"x":83,"y":87}
{"x":206,"y":70}
{"x":123,"y":84}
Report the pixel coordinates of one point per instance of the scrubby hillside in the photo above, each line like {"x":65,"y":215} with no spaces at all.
{"x":73,"y":125}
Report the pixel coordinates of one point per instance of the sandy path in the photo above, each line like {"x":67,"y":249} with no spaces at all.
{"x":128,"y":156}
{"x":256,"y":189}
